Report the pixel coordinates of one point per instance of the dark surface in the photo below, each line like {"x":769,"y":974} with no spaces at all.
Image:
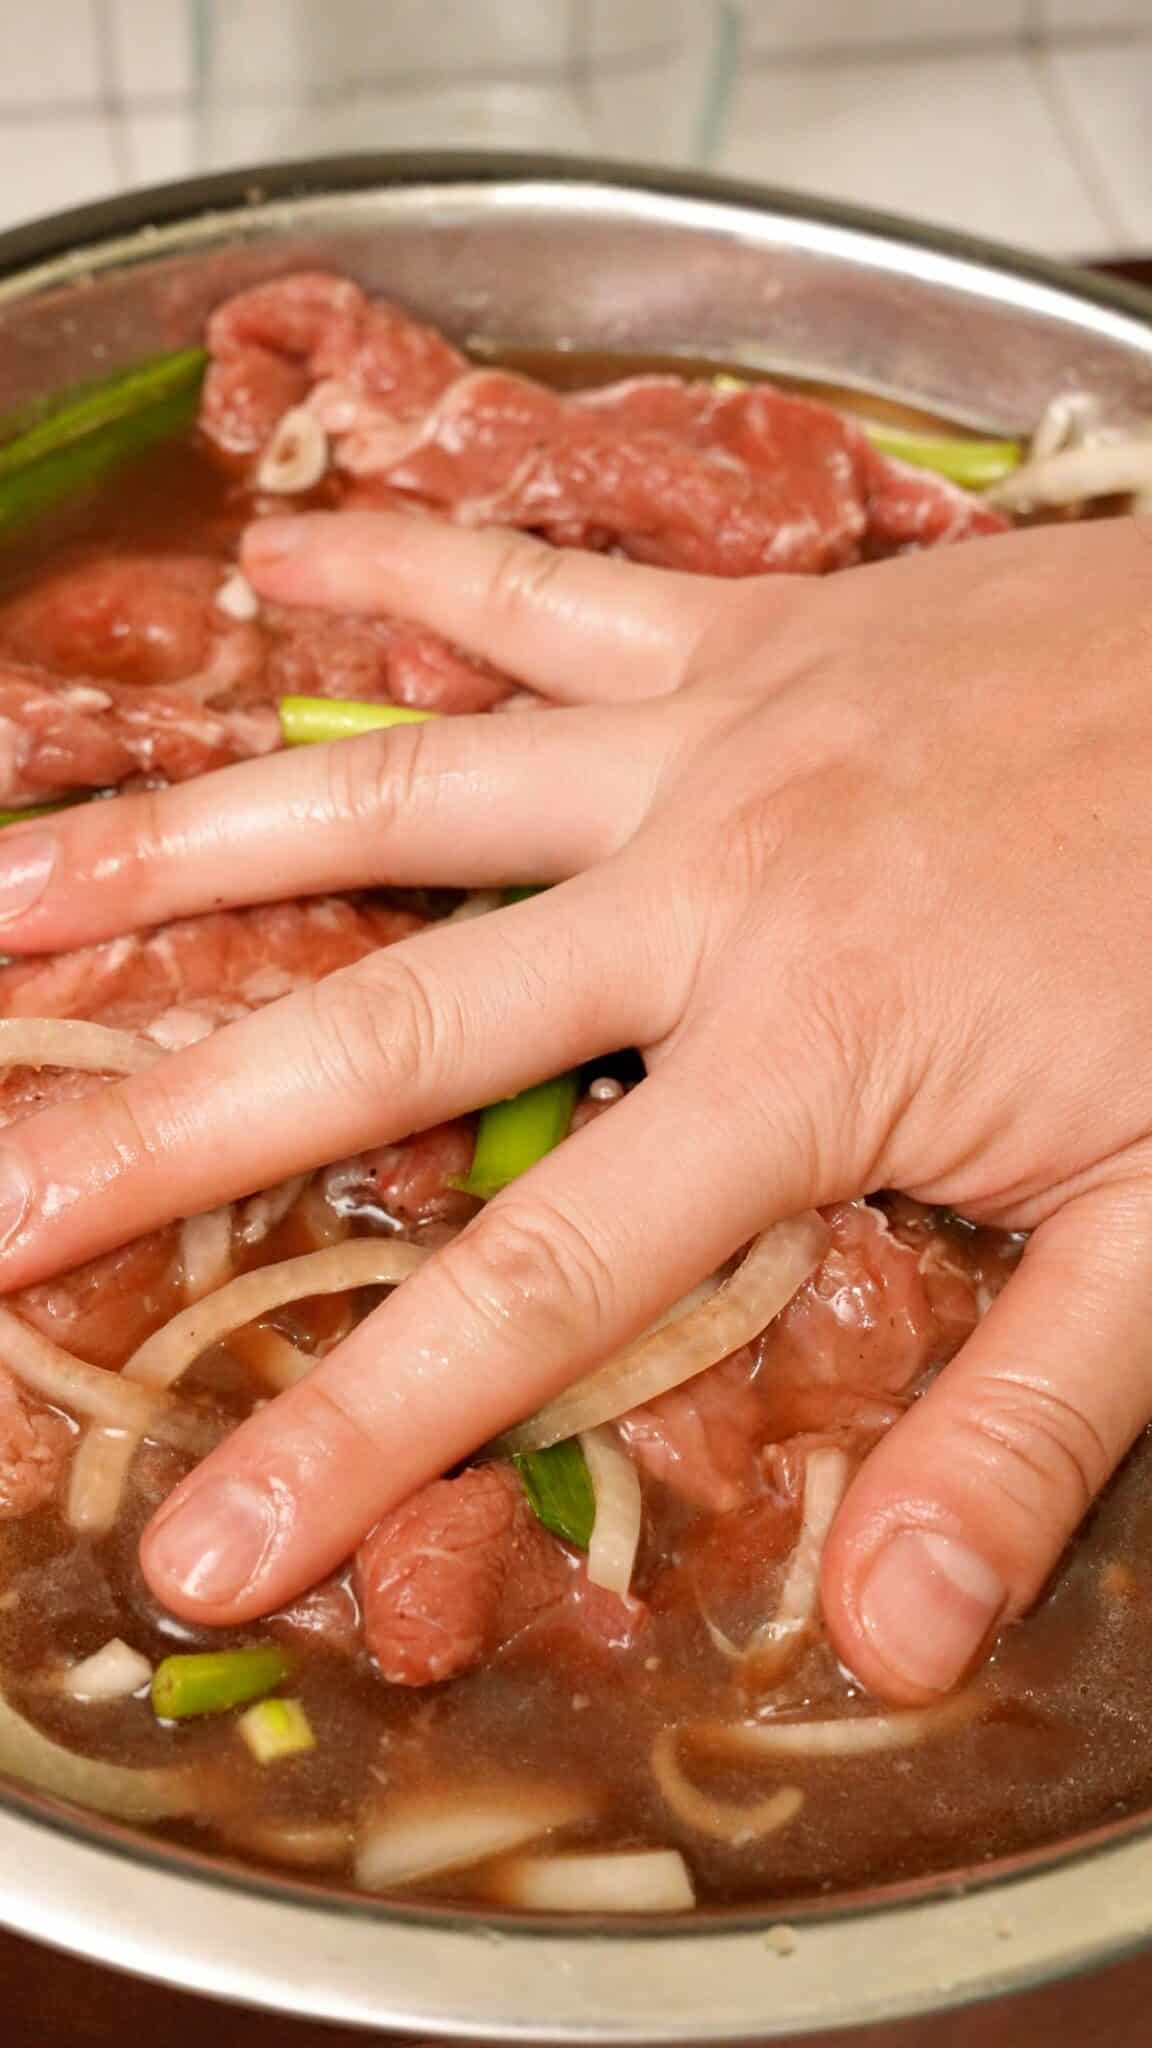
{"x":53,"y":2001}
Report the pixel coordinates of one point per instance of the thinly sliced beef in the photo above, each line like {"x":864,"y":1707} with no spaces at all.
{"x":464,"y":1570}
{"x":176,"y":985}
{"x":412,"y":1182}
{"x":35,"y":1443}
{"x":845,"y":1358}
{"x":127,"y":619}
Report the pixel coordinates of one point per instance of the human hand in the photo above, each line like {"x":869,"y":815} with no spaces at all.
{"x":863,"y":865}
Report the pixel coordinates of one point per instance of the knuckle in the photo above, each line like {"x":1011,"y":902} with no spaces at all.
{"x":524,"y":577}
{"x":531,"y":1270}
{"x":378,"y":777}
{"x":1047,"y":1458}
{"x":378,"y":1026}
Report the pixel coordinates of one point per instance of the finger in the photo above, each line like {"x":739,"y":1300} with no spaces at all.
{"x":574,"y":625}
{"x":555,"y":1274}
{"x":959,"y":1516}
{"x":460,"y":1015}
{"x":459,"y":802}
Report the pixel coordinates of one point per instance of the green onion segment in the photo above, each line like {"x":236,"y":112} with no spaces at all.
{"x":18,"y":817}
{"x":559,"y":1489}
{"x":307,"y":721}
{"x":514,"y":1134}
{"x":974,"y":464}
{"x":212,"y":1681}
{"x":71,"y":441}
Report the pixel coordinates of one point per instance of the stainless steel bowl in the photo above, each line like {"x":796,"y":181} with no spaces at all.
{"x":547,"y":252}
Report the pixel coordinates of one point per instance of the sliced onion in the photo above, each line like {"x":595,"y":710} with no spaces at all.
{"x":296,"y":457}
{"x":113,"y":1673}
{"x":775,"y":1642}
{"x":854,"y":1735}
{"x":425,"y":1838}
{"x":722,"y":1820}
{"x":365,"y":1262}
{"x":259,"y":1216}
{"x":615,"y":1537}
{"x":99,"y":1396}
{"x":206,"y":1252}
{"x":100,"y":1467}
{"x":308,"y":1845}
{"x":1067,"y":420}
{"x":777,"y":1265}
{"x":616,"y":1881}
{"x":271,"y":1356}
{"x":67,"y":1042}
{"x":117,"y":1790}
{"x":1094,"y":469}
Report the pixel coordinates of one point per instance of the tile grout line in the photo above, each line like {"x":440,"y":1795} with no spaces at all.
{"x":1083,"y":153}
{"x":111,"y":99}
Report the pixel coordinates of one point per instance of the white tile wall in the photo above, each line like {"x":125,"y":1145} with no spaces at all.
{"x":966,"y":141}
{"x":1027,"y":119}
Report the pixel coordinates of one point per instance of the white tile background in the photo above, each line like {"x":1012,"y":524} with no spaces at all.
{"x":1029,"y":120}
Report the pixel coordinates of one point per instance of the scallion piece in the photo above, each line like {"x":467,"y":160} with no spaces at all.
{"x":19,"y":817}
{"x":514,"y":1134}
{"x":275,"y":1729}
{"x":308,"y":721}
{"x":975,"y":464}
{"x":560,"y":1491}
{"x":212,"y":1681}
{"x":76,"y":438}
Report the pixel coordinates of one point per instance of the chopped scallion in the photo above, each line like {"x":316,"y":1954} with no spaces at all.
{"x":516,"y":1133}
{"x":212,"y":1681}
{"x":974,"y":464}
{"x":559,"y":1489}
{"x":19,"y":817}
{"x":275,"y":1729}
{"x":308,"y":721}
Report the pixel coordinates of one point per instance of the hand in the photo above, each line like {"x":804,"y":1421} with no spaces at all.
{"x":863,"y":865}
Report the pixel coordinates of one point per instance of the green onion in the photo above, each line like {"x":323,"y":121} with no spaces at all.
{"x":559,"y":1489}
{"x":305,"y":721}
{"x":276,"y":1729}
{"x":87,"y":432}
{"x":975,"y":464}
{"x":62,"y":803}
{"x":212,"y":1681}
{"x":514,"y":1134}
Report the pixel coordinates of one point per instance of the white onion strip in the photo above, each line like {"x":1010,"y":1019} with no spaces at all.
{"x":100,"y":1466}
{"x":67,"y":1042}
{"x":113,"y":1673}
{"x":117,"y":1790}
{"x":100,"y":1396}
{"x":853,"y":1735}
{"x":614,"y":1881}
{"x":424,"y":1838}
{"x":206,"y":1252}
{"x":1093,"y":469}
{"x":722,"y":1820}
{"x":775,"y":1642}
{"x":777,"y":1265}
{"x":260,"y":1215}
{"x":365,"y":1262}
{"x":615,"y":1537}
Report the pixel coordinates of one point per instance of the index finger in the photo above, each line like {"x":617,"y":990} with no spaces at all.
{"x":574,"y":625}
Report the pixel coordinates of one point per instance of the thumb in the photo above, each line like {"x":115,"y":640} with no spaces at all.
{"x":960,"y":1514}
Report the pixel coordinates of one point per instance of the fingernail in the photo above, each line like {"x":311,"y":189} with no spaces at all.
{"x":214,"y":1542}
{"x":268,"y":539}
{"x":15,"y":1196}
{"x":26,"y":862}
{"x":928,"y":1605}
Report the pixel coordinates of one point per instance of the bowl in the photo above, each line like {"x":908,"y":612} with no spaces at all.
{"x":559,"y":253}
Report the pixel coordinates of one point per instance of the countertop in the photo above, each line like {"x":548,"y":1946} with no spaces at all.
{"x":53,"y":2001}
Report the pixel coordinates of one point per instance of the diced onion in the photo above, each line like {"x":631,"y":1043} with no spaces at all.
{"x":117,"y":1790}
{"x":103,"y":1397}
{"x":113,"y":1673}
{"x":854,"y":1735}
{"x":67,"y":1042}
{"x":775,"y":1268}
{"x":616,"y":1881}
{"x":365,"y":1262}
{"x":236,"y":597}
{"x":615,"y":1537}
{"x":770,"y":1646}
{"x":100,"y":1467}
{"x":426,"y":1838}
{"x":206,"y":1252}
{"x":311,"y":1845}
{"x":296,"y":457}
{"x":722,"y":1820}
{"x":1094,"y":469}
